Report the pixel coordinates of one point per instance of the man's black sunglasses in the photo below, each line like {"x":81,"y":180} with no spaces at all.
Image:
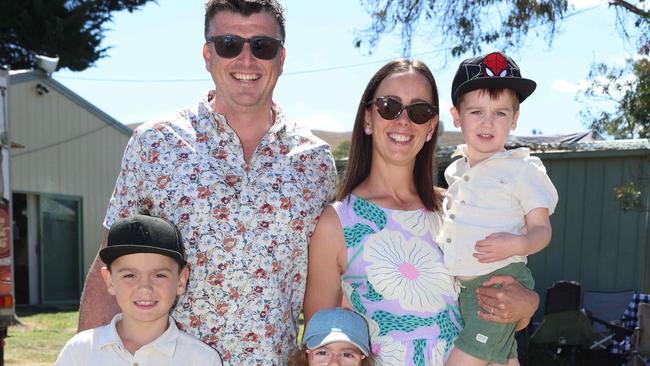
{"x":390,"y":108}
{"x":230,"y":46}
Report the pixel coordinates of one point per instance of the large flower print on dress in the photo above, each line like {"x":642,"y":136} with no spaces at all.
{"x":407,"y":270}
{"x":418,"y":222}
{"x":389,"y":351}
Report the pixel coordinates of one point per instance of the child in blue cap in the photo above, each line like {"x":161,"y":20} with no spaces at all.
{"x":335,"y":337}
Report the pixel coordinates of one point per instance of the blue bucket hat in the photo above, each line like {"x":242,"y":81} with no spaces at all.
{"x":337,"y":325}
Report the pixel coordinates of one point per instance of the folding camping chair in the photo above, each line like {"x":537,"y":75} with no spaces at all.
{"x":605,"y":310}
{"x":564,"y":331}
{"x":641,"y":340}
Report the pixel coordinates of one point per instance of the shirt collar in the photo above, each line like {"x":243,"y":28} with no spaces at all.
{"x":520,"y":152}
{"x":107,"y":335}
{"x":166,"y":343}
{"x":205,"y":110}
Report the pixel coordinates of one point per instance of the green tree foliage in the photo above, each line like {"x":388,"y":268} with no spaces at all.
{"x":470,"y":25}
{"x":467,"y":25}
{"x":70,"y":29}
{"x":342,"y":151}
{"x":628,"y":90}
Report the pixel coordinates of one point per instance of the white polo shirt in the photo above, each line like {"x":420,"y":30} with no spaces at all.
{"x":492,"y":196}
{"x":102,"y":346}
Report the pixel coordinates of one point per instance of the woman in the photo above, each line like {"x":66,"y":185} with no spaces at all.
{"x":373,"y":249}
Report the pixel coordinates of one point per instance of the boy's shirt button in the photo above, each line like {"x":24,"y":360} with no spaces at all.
{"x":466,"y":178}
{"x":452,"y":216}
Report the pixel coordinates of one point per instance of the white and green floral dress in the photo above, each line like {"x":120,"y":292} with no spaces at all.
{"x":396,"y":278}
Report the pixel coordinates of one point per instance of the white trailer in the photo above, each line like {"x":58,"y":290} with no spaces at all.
{"x":7,"y":309}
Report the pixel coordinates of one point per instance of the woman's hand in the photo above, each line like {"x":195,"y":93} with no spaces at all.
{"x":509,"y":303}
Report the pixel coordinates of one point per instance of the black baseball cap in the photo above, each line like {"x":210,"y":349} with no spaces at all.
{"x":143,"y":234}
{"x":494,"y":70}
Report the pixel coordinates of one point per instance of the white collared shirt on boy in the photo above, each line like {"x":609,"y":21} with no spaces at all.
{"x":492,"y":196}
{"x":102,"y":346}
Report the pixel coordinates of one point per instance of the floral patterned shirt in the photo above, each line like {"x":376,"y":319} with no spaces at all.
{"x":245,"y":227}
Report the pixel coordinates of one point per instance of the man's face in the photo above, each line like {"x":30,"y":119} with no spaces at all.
{"x":243,"y":83}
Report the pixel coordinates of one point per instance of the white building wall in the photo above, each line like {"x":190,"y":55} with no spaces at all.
{"x":68,"y":150}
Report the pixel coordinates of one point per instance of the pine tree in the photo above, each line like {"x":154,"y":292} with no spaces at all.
{"x":70,"y":29}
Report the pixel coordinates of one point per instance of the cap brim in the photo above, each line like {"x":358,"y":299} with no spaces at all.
{"x":323,"y":339}
{"x":523,"y":87}
{"x":109,"y":254}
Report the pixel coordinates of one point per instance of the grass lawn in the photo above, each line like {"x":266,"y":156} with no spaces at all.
{"x":40,"y":337}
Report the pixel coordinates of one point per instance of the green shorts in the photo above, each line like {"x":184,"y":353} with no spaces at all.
{"x":485,"y":340}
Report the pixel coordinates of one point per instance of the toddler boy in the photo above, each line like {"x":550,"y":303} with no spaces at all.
{"x":497,"y":206}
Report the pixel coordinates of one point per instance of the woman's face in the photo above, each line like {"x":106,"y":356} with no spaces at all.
{"x":397,"y":141}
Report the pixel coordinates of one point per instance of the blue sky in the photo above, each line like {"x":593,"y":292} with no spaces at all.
{"x":155,"y":66}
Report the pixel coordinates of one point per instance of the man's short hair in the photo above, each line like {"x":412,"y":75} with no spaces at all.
{"x":245,"y":8}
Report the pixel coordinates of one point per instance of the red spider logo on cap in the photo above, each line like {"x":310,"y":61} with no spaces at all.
{"x":495,"y":65}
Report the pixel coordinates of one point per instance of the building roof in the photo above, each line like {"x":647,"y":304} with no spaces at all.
{"x":22,"y":76}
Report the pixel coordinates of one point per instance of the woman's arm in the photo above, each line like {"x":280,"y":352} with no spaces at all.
{"x":509,"y":303}
{"x":327,"y":256}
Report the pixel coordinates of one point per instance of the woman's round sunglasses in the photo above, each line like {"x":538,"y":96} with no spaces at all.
{"x":230,"y":46}
{"x":390,"y":108}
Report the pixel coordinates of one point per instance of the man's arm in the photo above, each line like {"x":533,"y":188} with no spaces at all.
{"x":509,"y":303}
{"x":97,"y":306}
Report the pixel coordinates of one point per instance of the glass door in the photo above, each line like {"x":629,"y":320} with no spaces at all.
{"x":60,"y":248}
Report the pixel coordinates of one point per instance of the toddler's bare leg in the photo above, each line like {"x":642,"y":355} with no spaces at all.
{"x":460,"y":358}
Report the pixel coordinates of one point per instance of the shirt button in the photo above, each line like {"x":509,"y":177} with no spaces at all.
{"x":448,"y":240}
{"x":463,"y":202}
{"x":452,"y":216}
{"x":135,"y":364}
{"x":466,"y":178}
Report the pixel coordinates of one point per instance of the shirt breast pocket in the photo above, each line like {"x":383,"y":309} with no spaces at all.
{"x":494,"y":192}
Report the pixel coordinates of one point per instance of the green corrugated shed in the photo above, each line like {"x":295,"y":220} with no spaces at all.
{"x":595,"y":241}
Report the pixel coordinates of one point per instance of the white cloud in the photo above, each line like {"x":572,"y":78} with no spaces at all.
{"x":563,"y":86}
{"x":581,"y":4}
{"x":323,"y":121}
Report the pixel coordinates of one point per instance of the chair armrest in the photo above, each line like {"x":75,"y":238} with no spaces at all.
{"x":619,"y":332}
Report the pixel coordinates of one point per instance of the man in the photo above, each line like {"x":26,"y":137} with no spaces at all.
{"x":243,"y":185}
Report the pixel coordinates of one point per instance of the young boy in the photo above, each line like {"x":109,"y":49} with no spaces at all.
{"x":145,"y":270}
{"x":497,"y":207}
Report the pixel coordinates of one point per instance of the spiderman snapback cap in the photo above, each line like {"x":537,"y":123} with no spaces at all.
{"x":494,"y":70}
